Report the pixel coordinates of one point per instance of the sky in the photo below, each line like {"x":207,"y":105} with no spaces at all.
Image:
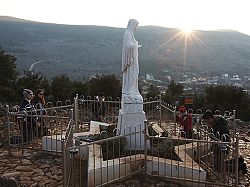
{"x":182,"y":14}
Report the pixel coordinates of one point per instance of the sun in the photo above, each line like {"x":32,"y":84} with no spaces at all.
{"x":187,"y":30}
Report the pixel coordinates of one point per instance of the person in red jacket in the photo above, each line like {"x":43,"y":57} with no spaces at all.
{"x":188,"y":123}
{"x":180,"y":115}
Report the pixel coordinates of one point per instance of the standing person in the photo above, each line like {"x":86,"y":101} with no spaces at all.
{"x":28,"y":124}
{"x":27,"y":100}
{"x":180,"y":114}
{"x":219,"y":126}
{"x":101,"y":107}
{"x":188,"y":124}
{"x":98,"y":107}
{"x":95,"y":108}
{"x":130,"y":66}
{"x":39,"y":103}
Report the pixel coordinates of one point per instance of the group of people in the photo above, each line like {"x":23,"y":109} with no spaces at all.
{"x":218,"y":126}
{"x":217,"y":123}
{"x":32,"y":105}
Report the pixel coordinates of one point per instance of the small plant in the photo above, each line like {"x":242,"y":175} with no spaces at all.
{"x":113,"y":148}
{"x":151,"y":131}
{"x":163,"y":148}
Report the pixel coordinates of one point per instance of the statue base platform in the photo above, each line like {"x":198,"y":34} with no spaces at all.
{"x":131,"y":123}
{"x":132,"y":103}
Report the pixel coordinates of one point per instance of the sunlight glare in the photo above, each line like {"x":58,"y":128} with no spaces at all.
{"x":187,"y":30}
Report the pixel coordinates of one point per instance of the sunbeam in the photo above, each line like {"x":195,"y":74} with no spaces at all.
{"x":188,"y":36}
{"x":168,"y":41}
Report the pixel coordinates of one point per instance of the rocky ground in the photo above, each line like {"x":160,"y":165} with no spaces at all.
{"x":244,"y":132}
{"x":32,"y":169}
{"x":37,"y":169}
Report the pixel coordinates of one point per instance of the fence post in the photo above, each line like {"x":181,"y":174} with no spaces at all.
{"x":237,"y":160}
{"x":160,"y":108}
{"x":64,"y":163}
{"x":8,"y":124}
{"x":73,"y":152}
{"x":76,"y":113}
{"x":145,"y":149}
{"x":234,"y":113}
{"x":175,"y":120}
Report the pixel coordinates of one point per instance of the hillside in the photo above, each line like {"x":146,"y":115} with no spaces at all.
{"x":80,"y":51}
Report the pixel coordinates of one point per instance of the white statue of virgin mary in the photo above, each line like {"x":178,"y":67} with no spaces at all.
{"x":130,"y":66}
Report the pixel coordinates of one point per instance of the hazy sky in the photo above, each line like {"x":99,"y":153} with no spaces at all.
{"x":196,"y":14}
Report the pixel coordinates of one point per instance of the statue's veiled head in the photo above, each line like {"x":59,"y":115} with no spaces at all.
{"x":132,"y":25}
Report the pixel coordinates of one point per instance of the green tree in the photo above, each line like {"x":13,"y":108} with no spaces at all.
{"x":153,"y":92}
{"x":228,"y":98}
{"x":110,"y":85}
{"x":198,"y":101}
{"x":62,"y":88}
{"x":173,"y":91}
{"x":79,"y":88}
{"x":31,"y":81}
{"x":8,"y":76}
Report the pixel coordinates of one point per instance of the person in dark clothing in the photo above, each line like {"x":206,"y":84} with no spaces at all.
{"x":26,"y":103}
{"x":219,"y":128}
{"x":98,"y":107}
{"x":39,"y":103}
{"x":28,"y":123}
{"x":218,"y":124}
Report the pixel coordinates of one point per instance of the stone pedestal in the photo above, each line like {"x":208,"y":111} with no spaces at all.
{"x":131,"y":120}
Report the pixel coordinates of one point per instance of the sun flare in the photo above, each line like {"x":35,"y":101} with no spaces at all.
{"x":187,"y":30}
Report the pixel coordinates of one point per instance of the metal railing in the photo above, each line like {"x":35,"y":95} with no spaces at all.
{"x":108,"y":159}
{"x":103,"y":159}
{"x":67,"y":142}
{"x":198,"y":161}
{"x":32,"y":131}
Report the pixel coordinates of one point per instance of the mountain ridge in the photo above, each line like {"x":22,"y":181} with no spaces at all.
{"x":83,"y":50}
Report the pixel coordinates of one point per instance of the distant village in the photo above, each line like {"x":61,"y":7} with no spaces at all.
{"x":196,"y":82}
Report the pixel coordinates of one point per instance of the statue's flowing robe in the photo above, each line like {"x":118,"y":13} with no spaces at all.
{"x":130,"y":66}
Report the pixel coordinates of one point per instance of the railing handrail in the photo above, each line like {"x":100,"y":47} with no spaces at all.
{"x":35,"y":115}
{"x":105,"y":139}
